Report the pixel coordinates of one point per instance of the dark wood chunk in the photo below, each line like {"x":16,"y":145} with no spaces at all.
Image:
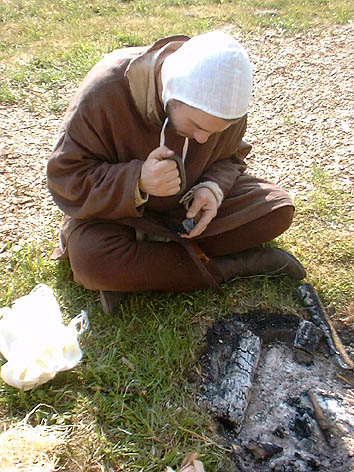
{"x":262,"y":451}
{"x":231,"y":364}
{"x":319,"y":316}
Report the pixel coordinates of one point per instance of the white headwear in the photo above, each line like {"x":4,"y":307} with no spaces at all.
{"x":211,"y":72}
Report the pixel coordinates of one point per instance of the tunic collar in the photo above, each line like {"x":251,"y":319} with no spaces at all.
{"x":142,"y":73}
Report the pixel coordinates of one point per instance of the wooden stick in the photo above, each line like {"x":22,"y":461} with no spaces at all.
{"x":319,"y":316}
{"x":322,"y":421}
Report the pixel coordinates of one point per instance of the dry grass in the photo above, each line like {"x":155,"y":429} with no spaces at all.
{"x":31,"y":448}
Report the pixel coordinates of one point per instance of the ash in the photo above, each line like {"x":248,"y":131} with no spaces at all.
{"x":280,"y":412}
{"x":281,"y":431}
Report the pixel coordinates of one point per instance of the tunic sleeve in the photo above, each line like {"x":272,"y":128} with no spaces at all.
{"x":84,"y":174}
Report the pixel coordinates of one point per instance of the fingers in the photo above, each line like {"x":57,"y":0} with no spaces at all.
{"x":203,"y":209}
{"x":203,"y":199}
{"x":200,"y":227}
{"x":168,"y":167}
{"x":169,"y":188}
{"x":205,"y":217}
{"x":165,"y":178}
{"x":159,"y":174}
{"x":195,"y":208}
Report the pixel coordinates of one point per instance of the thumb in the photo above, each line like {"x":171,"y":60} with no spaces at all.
{"x":160,"y":153}
{"x":194,"y":208}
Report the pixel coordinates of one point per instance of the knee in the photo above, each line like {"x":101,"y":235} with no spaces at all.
{"x":96,"y":256}
{"x":282,"y":218}
{"x":87,"y":267}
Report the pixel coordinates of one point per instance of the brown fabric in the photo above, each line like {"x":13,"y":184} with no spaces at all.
{"x":111,"y":126}
{"x":107,"y":256}
{"x":250,"y":235}
{"x":94,"y":168}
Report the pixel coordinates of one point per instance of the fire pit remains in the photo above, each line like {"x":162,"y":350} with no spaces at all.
{"x":281,"y":406}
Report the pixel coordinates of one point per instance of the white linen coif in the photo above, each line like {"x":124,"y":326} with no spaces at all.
{"x":210,"y":72}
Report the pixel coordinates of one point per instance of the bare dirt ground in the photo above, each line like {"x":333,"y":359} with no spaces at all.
{"x":301,"y":116}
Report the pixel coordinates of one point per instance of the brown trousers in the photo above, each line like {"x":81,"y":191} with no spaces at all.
{"x":107,"y":255}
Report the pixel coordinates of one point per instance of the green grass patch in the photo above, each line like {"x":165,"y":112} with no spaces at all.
{"x":6,"y":95}
{"x":47,"y":45}
{"x":323,"y":237}
{"x":132,"y":401}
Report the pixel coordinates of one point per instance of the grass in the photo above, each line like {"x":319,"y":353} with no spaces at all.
{"x":45,"y":45}
{"x":323,"y":235}
{"x":131,"y":404}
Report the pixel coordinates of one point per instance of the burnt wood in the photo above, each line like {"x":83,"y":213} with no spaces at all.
{"x":230,"y":361}
{"x":322,"y":421}
{"x":306,"y":340}
{"x":262,"y":451}
{"x":313,"y":304}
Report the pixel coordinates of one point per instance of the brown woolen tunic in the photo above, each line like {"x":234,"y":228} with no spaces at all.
{"x":111,"y":126}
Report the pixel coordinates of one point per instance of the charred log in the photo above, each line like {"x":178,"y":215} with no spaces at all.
{"x":307,"y":337}
{"x":230,"y":361}
{"x":319,"y":316}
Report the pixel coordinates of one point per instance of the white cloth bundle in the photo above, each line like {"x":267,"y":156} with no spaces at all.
{"x":34,"y":340}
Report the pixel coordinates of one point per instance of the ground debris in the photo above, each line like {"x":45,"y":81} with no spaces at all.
{"x":322,"y":420}
{"x":280,"y":410}
{"x":190,"y":464}
{"x":262,"y":451}
{"x":300,"y":118}
{"x":319,"y":316}
{"x":307,"y":338}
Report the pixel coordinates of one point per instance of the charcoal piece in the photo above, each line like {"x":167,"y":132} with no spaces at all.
{"x":302,"y":424}
{"x":306,"y":340}
{"x":313,"y":463}
{"x":297,"y":464}
{"x":313,"y":304}
{"x":280,"y":432}
{"x":307,"y":337}
{"x":231,"y":362}
{"x":262,"y":451}
{"x":186,"y":226}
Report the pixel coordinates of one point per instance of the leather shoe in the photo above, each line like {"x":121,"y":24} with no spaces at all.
{"x":260,"y":261}
{"x":110,"y":300}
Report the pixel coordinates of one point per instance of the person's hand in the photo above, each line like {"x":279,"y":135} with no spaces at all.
{"x":203,"y":209}
{"x":159,"y":175}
